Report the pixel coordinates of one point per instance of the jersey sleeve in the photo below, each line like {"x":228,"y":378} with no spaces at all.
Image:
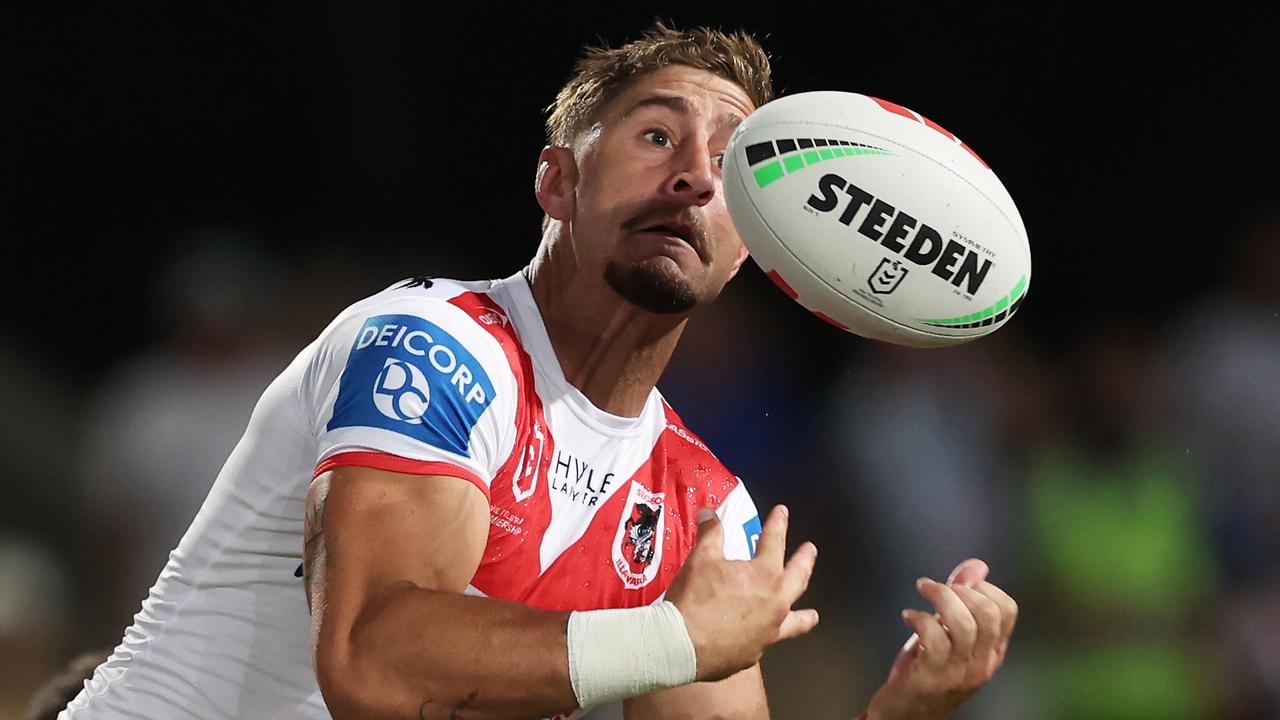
{"x":741,"y":524}
{"x":413,"y":385}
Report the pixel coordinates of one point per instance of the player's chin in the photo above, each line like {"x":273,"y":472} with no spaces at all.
{"x":658,"y":284}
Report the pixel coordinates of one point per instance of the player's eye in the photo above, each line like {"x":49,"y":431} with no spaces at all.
{"x":659,"y":137}
{"x":719,"y":159}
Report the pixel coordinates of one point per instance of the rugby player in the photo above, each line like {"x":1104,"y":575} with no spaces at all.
{"x":469,"y":500}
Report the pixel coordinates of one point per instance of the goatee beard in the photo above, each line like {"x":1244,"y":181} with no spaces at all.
{"x":650,"y":286}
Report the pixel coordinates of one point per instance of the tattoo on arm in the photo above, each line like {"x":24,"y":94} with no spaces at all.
{"x":313,"y":555}
{"x":467,"y":701}
{"x":453,"y":714}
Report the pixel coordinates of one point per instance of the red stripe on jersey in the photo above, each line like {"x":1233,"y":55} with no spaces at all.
{"x":490,"y":316}
{"x":782,"y":284}
{"x":519,"y":509}
{"x":689,"y":478}
{"x":395,"y":463}
{"x":896,"y":109}
{"x":511,"y":562}
{"x":583,"y":576}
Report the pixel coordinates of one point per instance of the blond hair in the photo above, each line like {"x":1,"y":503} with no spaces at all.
{"x":602,"y":73}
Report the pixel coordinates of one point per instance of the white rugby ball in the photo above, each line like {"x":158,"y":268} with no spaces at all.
{"x":876,"y":219}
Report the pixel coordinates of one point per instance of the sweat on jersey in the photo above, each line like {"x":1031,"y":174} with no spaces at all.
{"x":588,"y":510}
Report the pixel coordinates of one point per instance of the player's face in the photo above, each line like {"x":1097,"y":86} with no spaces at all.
{"x":649,"y":212}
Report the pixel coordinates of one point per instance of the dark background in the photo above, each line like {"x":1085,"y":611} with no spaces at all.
{"x":343,"y":146}
{"x":1132,"y":142}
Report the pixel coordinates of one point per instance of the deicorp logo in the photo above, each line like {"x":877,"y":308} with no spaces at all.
{"x":408,"y":375}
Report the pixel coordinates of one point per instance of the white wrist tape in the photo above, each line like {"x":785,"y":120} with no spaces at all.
{"x":616,"y":654}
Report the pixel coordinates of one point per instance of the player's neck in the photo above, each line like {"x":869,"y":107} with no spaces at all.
{"x":610,"y":350}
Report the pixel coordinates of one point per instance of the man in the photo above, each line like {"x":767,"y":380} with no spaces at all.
{"x":503,"y":518}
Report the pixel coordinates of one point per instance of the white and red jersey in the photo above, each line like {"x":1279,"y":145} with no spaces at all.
{"x":588,"y":510}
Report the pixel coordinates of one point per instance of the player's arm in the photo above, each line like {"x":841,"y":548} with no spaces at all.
{"x":953,"y":652}
{"x":740,"y":696}
{"x":388,"y":555}
{"x":387,"y":558}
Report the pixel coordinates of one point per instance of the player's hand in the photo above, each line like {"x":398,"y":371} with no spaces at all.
{"x":953,"y":652}
{"x":734,"y":609}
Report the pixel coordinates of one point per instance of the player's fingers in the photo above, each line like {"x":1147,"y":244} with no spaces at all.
{"x":969,"y":572}
{"x":710,"y":538}
{"x":987,"y":616}
{"x":797,"y":623}
{"x":953,"y":614}
{"x":934,"y":645}
{"x":1008,"y":606}
{"x":796,"y":574}
{"x":772,"y":545}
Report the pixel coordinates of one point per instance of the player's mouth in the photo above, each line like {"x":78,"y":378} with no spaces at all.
{"x":677,"y":233}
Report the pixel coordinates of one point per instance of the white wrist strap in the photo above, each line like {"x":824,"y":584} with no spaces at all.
{"x":616,"y":654}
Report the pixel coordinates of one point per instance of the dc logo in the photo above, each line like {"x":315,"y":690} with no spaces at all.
{"x":401,"y":392}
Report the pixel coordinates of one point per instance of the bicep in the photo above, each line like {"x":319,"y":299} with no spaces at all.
{"x":369,"y":531}
{"x":740,"y":695}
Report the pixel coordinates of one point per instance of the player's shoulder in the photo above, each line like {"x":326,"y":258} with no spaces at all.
{"x":454,"y":327}
{"x":712,"y":484}
{"x":466,"y":310}
{"x":684,"y":447}
{"x":433,"y":298}
{"x":678,"y":429}
{"x":420,"y":358}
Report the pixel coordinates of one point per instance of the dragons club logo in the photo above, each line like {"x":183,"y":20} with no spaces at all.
{"x":401,"y":392}
{"x":637,"y":547}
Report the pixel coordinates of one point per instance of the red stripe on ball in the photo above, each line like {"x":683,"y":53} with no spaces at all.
{"x":824,"y":316}
{"x":895,"y":108}
{"x":777,"y":280}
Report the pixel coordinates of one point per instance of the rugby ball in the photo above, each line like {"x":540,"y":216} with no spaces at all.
{"x":876,"y":219}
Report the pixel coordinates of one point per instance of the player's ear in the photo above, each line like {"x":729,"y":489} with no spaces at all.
{"x":743,"y":254}
{"x":555,"y":182}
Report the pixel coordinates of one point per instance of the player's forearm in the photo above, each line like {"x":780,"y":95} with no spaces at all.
{"x":740,"y":696}
{"x":417,"y":653}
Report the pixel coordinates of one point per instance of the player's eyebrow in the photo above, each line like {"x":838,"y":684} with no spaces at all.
{"x":681,"y":105}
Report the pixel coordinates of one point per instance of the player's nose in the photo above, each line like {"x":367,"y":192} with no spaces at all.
{"x":694,"y":177}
